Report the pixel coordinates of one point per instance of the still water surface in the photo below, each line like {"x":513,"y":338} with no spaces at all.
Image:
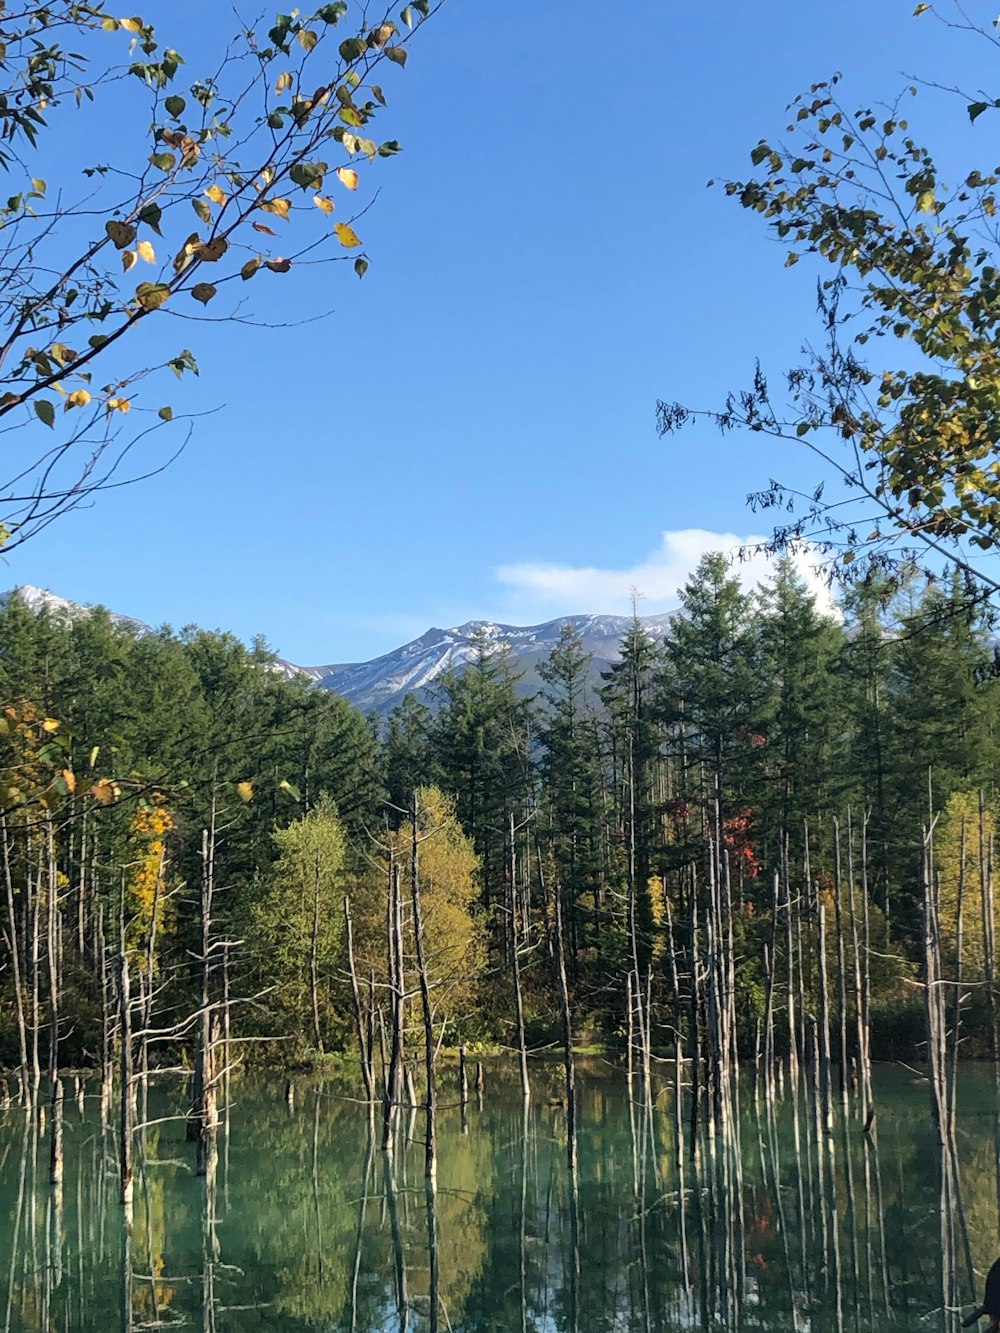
{"x":303,"y":1226}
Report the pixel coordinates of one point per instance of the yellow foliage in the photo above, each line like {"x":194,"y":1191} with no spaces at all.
{"x":962,"y":813}
{"x":148,"y":846}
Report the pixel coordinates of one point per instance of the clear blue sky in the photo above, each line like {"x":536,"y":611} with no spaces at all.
{"x":473,"y":427}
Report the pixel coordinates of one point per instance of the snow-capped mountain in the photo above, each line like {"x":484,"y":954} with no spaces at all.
{"x":383,"y":682}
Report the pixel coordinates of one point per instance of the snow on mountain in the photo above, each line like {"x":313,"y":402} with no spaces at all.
{"x":382,"y":683}
{"x":39,"y":599}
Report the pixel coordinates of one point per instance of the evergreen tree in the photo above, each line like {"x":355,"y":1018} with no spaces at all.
{"x":482,"y":744}
{"x":571,"y":790}
{"x":714,"y":692}
{"x":798,"y":711}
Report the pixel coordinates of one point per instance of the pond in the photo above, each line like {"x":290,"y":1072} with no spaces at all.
{"x":302,"y":1224}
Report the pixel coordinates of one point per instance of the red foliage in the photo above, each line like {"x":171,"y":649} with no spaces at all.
{"x":736,"y":833}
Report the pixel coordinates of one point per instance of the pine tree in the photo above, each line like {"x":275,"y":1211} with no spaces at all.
{"x":571,"y":790}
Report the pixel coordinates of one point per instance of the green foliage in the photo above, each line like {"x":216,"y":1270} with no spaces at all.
{"x":904,"y":258}
{"x":244,"y":136}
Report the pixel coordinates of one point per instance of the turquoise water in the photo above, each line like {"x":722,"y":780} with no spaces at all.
{"x":301,"y":1224}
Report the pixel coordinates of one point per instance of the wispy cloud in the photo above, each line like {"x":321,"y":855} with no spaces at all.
{"x":558,"y":589}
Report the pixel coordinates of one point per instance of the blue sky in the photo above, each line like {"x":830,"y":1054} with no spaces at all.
{"x":471,"y":432}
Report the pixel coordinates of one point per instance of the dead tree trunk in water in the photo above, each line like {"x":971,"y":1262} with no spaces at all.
{"x":203,"y":1121}
{"x":14,"y":948}
{"x":522,"y":1046}
{"x":359,"y":1018}
{"x":125,"y":1040}
{"x":430,"y":1140}
{"x":394,"y":942}
{"x":568,"y":1061}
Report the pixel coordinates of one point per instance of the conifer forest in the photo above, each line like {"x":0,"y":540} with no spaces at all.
{"x":561,"y":993}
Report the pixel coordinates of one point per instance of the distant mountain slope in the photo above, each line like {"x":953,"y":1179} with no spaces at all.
{"x":383,"y":682}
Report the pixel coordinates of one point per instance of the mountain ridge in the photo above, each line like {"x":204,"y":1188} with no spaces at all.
{"x":380,"y":683}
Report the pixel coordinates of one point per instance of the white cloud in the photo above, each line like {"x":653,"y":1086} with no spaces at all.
{"x":556,"y":589}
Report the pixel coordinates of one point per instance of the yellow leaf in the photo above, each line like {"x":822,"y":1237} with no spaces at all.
{"x":131,"y":25}
{"x":93,"y":755}
{"x":121,"y":405}
{"x":78,"y":398}
{"x":244,"y":790}
{"x":284,"y":81}
{"x":51,"y":724}
{"x":216,"y":194}
{"x":146,"y":252}
{"x":129,"y":257}
{"x":104,"y":791}
{"x":151,"y":295}
{"x":322,"y":202}
{"x":346,"y":235}
{"x":69,"y":777}
{"x":347,"y":177}
{"x":279,"y":207}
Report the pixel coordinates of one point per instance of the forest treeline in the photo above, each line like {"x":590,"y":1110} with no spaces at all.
{"x":766,"y":772}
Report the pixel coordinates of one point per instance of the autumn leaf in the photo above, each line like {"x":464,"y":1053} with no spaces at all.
{"x":78,"y":398}
{"x":244,"y":790}
{"x":151,"y":295}
{"x":283,"y":81}
{"x":212,"y":250}
{"x":348,"y":177}
{"x":104,"y":791}
{"x":346,"y":235}
{"x":129,"y":259}
{"x":217,"y":194}
{"x":279,"y":207}
{"x":69,"y":780}
{"x":260,"y":226}
{"x":323,"y":203}
{"x":121,"y":233}
{"x":203,"y":292}
{"x":51,"y":724}
{"x":121,"y":405}
{"x":145,"y":251}
{"x":279,"y":265}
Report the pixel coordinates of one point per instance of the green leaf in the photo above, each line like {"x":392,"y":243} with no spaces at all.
{"x":163,"y":161}
{"x":250,"y":268}
{"x":977,"y":109}
{"x":290,"y":788}
{"x":166,"y":414}
{"x":45,"y":412}
{"x":203,"y":292}
{"x":307,"y":39}
{"x":175,"y":106}
{"x":920,"y":9}
{"x":201,"y":207}
{"x":406,"y":16}
{"x":397,"y":54}
{"x":352,"y":49}
{"x":151,"y":215}
{"x":361,"y":266}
